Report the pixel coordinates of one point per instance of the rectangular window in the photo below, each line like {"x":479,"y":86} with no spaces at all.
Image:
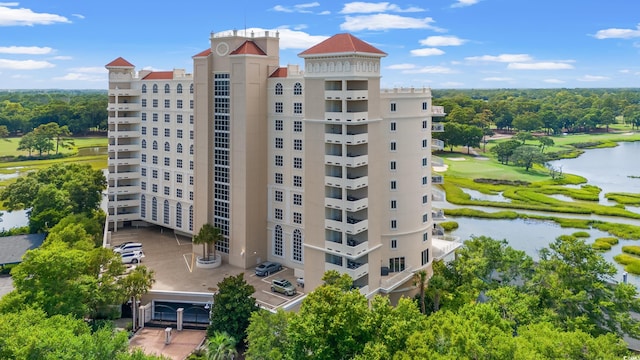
{"x":392,"y":165}
{"x":154,"y":173}
{"x":179,"y":118}
{"x":279,"y":125}
{"x":425,"y":218}
{"x":297,"y":218}
{"x":144,"y":102}
{"x":424,"y":124}
{"x":167,"y":191}
{"x":425,"y":198}
{"x":279,"y":160}
{"x":278,"y":196}
{"x":393,"y":126}
{"x":424,"y":180}
{"x":154,"y":131}
{"x":297,"y":144}
{"x":167,"y":176}
{"x":297,"y":199}
{"x":190,"y":180}
{"x":425,"y":257}
{"x":394,"y":204}
{"x":143,"y":158}
{"x":179,"y":134}
{"x":424,"y":107}
{"x":190,"y":104}
{"x":424,"y":161}
{"x":297,"y":181}
{"x":167,"y":161}
{"x":167,"y":118}
{"x":143,"y":171}
{"x":143,"y":185}
{"x":393,"y":146}
{"x":179,"y":163}
{"x":154,"y":159}
{"x":424,"y":143}
{"x":425,"y":236}
{"x":278,"y":214}
{"x":393,"y":107}
{"x":278,"y":178}
{"x":144,"y":130}
{"x":394,"y":185}
{"x":190,"y":195}
{"x":179,"y":193}
{"x":394,"y":243}
{"x":179,"y":178}
{"x":297,"y":108}
{"x":394,"y":224}
{"x":279,"y":143}
{"x":144,"y":116}
{"x":297,"y":126}
{"x":154,"y":188}
{"x":179,"y":104}
{"x":155,"y":103}
{"x":154,"y":117}
{"x":278,"y":107}
{"x":190,"y":164}
{"x":167,"y":103}
{"x":190,"y":134}
{"x":297,"y":163}
{"x":191,"y":119}
{"x":396,"y":264}
{"x":167,"y":132}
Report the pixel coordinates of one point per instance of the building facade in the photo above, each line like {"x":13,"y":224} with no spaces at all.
{"x":319,"y":169}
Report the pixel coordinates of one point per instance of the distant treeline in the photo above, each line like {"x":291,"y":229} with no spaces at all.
{"x":82,"y":111}
{"x":551,"y":110}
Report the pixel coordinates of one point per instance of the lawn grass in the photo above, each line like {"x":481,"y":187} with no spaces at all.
{"x":604,"y":243}
{"x":9,"y":146}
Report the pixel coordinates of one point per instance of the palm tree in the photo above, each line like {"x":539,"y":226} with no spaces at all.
{"x":208,"y":236}
{"x":420,"y":279}
{"x":137,"y":283}
{"x":221,"y":346}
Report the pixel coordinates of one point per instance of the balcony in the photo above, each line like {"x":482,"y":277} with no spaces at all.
{"x":124,"y":134}
{"x":391,"y":282}
{"x":125,"y":217}
{"x":356,"y":160}
{"x":333,"y":94}
{"x":438,"y":215}
{"x":438,"y":111}
{"x":437,"y":161}
{"x":333,"y":160}
{"x":124,"y":148}
{"x":353,"y":204}
{"x":351,"y":184}
{"x":437,"y":179}
{"x":356,"y":116}
{"x":437,"y":144}
{"x":124,"y":92}
{"x":334,"y":116}
{"x":336,"y":225}
{"x":333,"y":203}
{"x":124,"y":120}
{"x":354,"y":271}
{"x":124,"y":107}
{"x":124,"y":203}
{"x":355,"y":226}
{"x":356,"y":139}
{"x":356,"y":94}
{"x":437,"y":195}
{"x":134,"y":189}
{"x":333,"y":138}
{"x":354,"y":248}
{"x":445,"y":245}
{"x":124,"y":161}
{"x":123,"y":175}
{"x":437,"y":127}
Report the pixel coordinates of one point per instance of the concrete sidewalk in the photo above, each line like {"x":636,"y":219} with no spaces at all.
{"x":152,"y":342}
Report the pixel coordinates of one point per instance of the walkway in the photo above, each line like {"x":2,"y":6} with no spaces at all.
{"x":152,"y":342}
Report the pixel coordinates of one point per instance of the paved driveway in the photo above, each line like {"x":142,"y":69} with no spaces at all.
{"x":6,"y":285}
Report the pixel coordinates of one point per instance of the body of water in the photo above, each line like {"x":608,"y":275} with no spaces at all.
{"x":611,"y":169}
{"x":13,"y":219}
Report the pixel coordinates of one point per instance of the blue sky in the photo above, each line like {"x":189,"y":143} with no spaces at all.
{"x":435,"y":43}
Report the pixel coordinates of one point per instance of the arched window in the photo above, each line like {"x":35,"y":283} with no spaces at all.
{"x":144,"y":88}
{"x":167,"y":89}
{"x":179,"y":215}
{"x":154,"y":209}
{"x":144,"y":143}
{"x":191,"y":89}
{"x":179,"y":148}
{"x":191,"y":149}
{"x":143,"y":206}
{"x":155,"y":88}
{"x":167,"y":147}
{"x":165,"y":211}
{"x":278,"y":89}
{"x":179,"y":89}
{"x":297,"y":89}
{"x":297,"y":245}
{"x":191,"y":218}
{"x":277,"y":241}
{"x":155,"y":145}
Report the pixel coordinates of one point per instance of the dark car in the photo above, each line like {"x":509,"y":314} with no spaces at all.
{"x":267,"y":268}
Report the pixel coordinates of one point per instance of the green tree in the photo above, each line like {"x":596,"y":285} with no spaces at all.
{"x":420,"y":279}
{"x":208,"y":236}
{"x":221,"y":346}
{"x":528,"y":155}
{"x":504,"y":150}
{"x":232,"y":307}
{"x":267,"y":336}
{"x":545,"y":141}
{"x":27,"y":143}
{"x":4,"y":131}
{"x":528,"y":121}
{"x":341,"y":281}
{"x":471,"y":136}
{"x":523,"y":136}
{"x":452,"y":135}
{"x":135,"y":284}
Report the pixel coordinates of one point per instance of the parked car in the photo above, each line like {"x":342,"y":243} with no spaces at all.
{"x":283,"y":286}
{"x":132,"y":257}
{"x":128,"y":247}
{"x":267,"y":268}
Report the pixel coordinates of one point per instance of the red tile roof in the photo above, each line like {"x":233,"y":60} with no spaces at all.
{"x":248,"y":48}
{"x":159,"y":75}
{"x":120,"y":62}
{"x":342,"y":43}
{"x":280,"y":73}
{"x":203,"y":53}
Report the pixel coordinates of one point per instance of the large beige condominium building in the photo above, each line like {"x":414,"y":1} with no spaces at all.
{"x":317,"y":169}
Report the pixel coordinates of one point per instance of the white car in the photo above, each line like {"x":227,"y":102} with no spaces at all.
{"x":132,"y":257}
{"x":127,"y":247}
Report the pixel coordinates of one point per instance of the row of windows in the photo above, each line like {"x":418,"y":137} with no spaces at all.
{"x":167,"y":161}
{"x":167,"y":175}
{"x":167,"y":103}
{"x":297,"y":125}
{"x":167,"y":146}
{"x":394,"y":107}
{"x":393,"y":145}
{"x":167,"y":88}
{"x":167,"y":132}
{"x":393,"y":126}
{"x":166,"y":190}
{"x":297,"y":107}
{"x":166,"y":212}
{"x":297,"y":144}
{"x":297,"y":180}
{"x":167,"y":118}
{"x":297,"y":198}
{"x":278,"y":244}
{"x":297,"y":89}
{"x":297,"y":161}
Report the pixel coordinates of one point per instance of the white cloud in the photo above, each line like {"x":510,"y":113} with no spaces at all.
{"x":588,"y":78}
{"x":24,"y":64}
{"x":92,"y":70}
{"x":29,"y":50}
{"x":463,"y":3}
{"x":625,"y":71}
{"x":79,"y":16}
{"x":360,"y":7}
{"x":542,"y":65}
{"x":10,"y":16}
{"x":298,"y":8}
{"x":401,"y":67}
{"x":451,"y":84}
{"x":80,"y":77}
{"x":553,"y":81}
{"x":430,"y":70}
{"x":442,"y":41}
{"x":326,"y":12}
{"x":293,"y":39}
{"x":426,"y":52}
{"x":496,"y":78}
{"x":502,"y":58}
{"x":615,"y":33}
{"x":61,"y":57}
{"x":387,"y":22}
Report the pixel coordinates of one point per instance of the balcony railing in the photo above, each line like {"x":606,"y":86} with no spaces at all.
{"x":356,"y":116}
{"x":357,"y":139}
{"x":355,"y":273}
{"x":438,"y":111}
{"x":124,"y":203}
{"x":124,"y":190}
{"x":437,"y":161}
{"x":438,"y":215}
{"x":356,"y":94}
{"x":445,"y":245}
{"x":437,"y":144}
{"x":437,"y":127}
{"x":356,"y":160}
{"x":124,"y":148}
{"x":353,"y":204}
{"x":437,"y":179}
{"x":124,"y":92}
{"x":396,"y":279}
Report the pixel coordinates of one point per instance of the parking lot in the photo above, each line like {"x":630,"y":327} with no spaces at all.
{"x":172,"y":259}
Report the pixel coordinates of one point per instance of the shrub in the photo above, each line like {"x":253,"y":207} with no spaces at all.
{"x":610,"y":240}
{"x":625,"y":259}
{"x":631,"y":249}
{"x":601,"y":245}
{"x":581,"y":234}
{"x":449,"y":225}
{"x":633,"y":268}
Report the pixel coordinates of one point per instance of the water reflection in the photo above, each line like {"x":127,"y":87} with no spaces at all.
{"x":477,"y":195}
{"x":13,"y":219}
